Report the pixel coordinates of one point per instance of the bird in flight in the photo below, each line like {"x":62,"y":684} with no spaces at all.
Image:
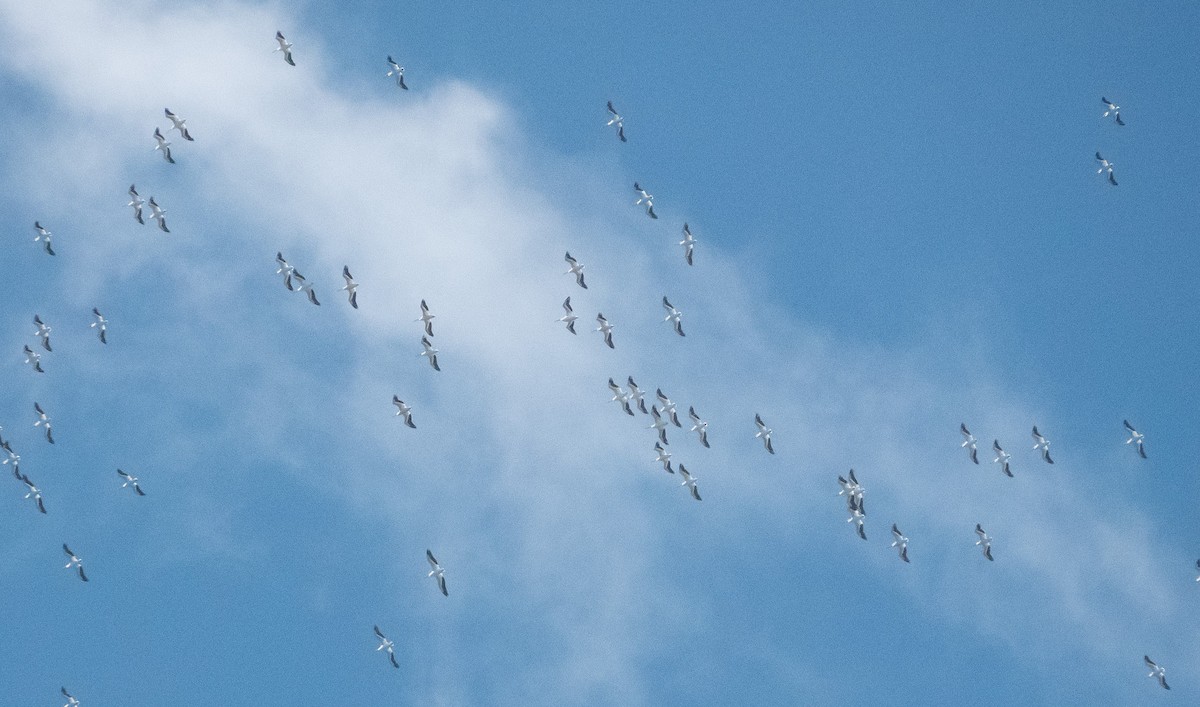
{"x":159,"y":214}
{"x":43,"y":420}
{"x":668,"y":407}
{"x":688,"y":243}
{"x":900,"y":542}
{"x":136,"y":201}
{"x":606,"y":328}
{"x":178,"y":124}
{"x":1105,"y":164}
{"x":303,"y":285}
{"x":673,"y":315}
{"x":34,"y":359}
{"x":1002,"y":458}
{"x":131,"y":480}
{"x":853,"y":492}
{"x":437,"y":570}
{"x":665,"y":457}
{"x":75,"y":561}
{"x":385,"y":644}
{"x":430,"y":352}
{"x":568,"y":315}
{"x":1112,"y":108}
{"x":637,"y":396}
{"x":71,"y":701}
{"x":856,"y":516}
{"x":43,"y":236}
{"x":285,"y":47}
{"x":34,"y":492}
{"x":163,"y":146}
{"x":969,"y":441}
{"x":614,"y":118}
{"x":1043,"y":444}
{"x":689,"y":481}
{"x":405,"y":410}
{"x":43,"y":332}
{"x":100,"y":325}
{"x":698,"y":426}
{"x":1137,"y":438}
{"x":351,"y":286}
{"x":427,"y":318}
{"x":645,"y":198}
{"x":984,"y":542}
{"x":620,"y":396}
{"x":1157,"y":671}
{"x":660,"y":424}
{"x":764,"y":433}
{"x":12,"y":457}
{"x":575,"y":269}
{"x":286,"y":270}
{"x":397,"y":71}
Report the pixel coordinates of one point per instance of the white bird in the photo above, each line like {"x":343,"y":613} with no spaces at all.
{"x":34,"y":359}
{"x":100,"y":325}
{"x":853,"y":492}
{"x":75,"y":561}
{"x":437,"y":570}
{"x":689,"y":481}
{"x":969,"y":441}
{"x":285,"y":47}
{"x":606,"y":328}
{"x":665,"y":457}
{"x":674,"y":316}
{"x":660,"y":424}
{"x":688,"y":243}
{"x":303,"y":285}
{"x":405,"y":410}
{"x":1112,"y":108}
{"x":568,"y":316}
{"x":698,"y":426}
{"x":900,"y":542}
{"x":1105,"y":164}
{"x":178,"y":123}
{"x":637,"y":396}
{"x":43,"y":420}
{"x":286,"y":270}
{"x":131,"y":480}
{"x":575,"y":269}
{"x":351,"y":286}
{"x":645,"y":198}
{"x":1137,"y":438}
{"x":1040,"y":442}
{"x":43,"y":236}
{"x":616,"y":119}
{"x":1002,"y":458}
{"x":163,"y":146}
{"x":430,"y":352}
{"x":668,"y":407}
{"x":43,"y":332}
{"x":984,"y":542}
{"x":1198,"y":570}
{"x":159,"y":214}
{"x":397,"y":71}
{"x":11,"y":458}
{"x":1157,"y":671}
{"x":136,"y":201}
{"x":34,"y":492}
{"x":857,"y":516}
{"x":71,"y":701}
{"x":384,"y":643}
{"x":619,"y":396}
{"x":426,"y":318}
{"x":764,"y":433}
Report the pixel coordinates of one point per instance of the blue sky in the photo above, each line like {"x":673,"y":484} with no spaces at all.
{"x":900,"y":228}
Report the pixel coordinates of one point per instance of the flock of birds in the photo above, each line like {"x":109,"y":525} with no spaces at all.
{"x":662,"y":411}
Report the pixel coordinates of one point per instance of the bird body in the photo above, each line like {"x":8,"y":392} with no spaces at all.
{"x":285,"y":47}
{"x":405,"y":410}
{"x":614,"y":118}
{"x":178,"y":124}
{"x":645,"y":198}
{"x":351,"y":286}
{"x":437,"y":571}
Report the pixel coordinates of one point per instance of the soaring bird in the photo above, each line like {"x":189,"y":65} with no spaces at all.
{"x":698,"y":426}
{"x":969,"y":441}
{"x":397,"y":71}
{"x":568,"y":315}
{"x":303,"y":285}
{"x":43,"y":421}
{"x":900,"y":542}
{"x":984,"y":542}
{"x":34,"y":492}
{"x":136,"y":201}
{"x":637,"y":396}
{"x":405,"y":410}
{"x":71,"y":701}
{"x":159,"y":214}
{"x":285,"y":47}
{"x":575,"y":269}
{"x":75,"y":561}
{"x":660,"y":424}
{"x":667,"y":406}
{"x":286,"y":270}
{"x":178,"y":124}
{"x":620,"y":396}
{"x":34,"y":359}
{"x":1002,"y":458}
{"x":1105,"y":164}
{"x":673,"y":315}
{"x":688,"y":243}
{"x":614,"y":118}
{"x":11,"y":457}
{"x":645,"y":198}
{"x":430,"y":353}
{"x":1137,"y":438}
{"x":1112,"y":108}
{"x":384,"y":643}
{"x":606,"y":328}
{"x":437,"y":570}
{"x":1040,"y":442}
{"x":131,"y":480}
{"x":764,"y":433}
{"x":689,"y":481}
{"x":853,"y":492}
{"x":163,"y":146}
{"x":1157,"y":671}
{"x":665,"y":457}
{"x":43,"y":332}
{"x":351,"y":286}
{"x":426,"y":318}
{"x":857,"y":516}
{"x":43,"y":236}
{"x":100,"y":325}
